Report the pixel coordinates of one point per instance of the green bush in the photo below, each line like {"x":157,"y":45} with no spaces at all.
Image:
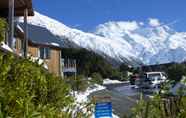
{"x":159,"y":107}
{"x":117,"y":75}
{"x":162,"y":105}
{"x":2,"y":29}
{"x":97,"y":78}
{"x":176,"y":71}
{"x":28,"y":91}
{"x":78,"y":83}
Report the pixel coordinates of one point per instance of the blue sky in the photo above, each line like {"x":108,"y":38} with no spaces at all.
{"x":87,"y":14}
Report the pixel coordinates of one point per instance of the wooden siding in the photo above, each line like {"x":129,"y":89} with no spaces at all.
{"x":18,"y":46}
{"x":33,"y":51}
{"x":53,"y":63}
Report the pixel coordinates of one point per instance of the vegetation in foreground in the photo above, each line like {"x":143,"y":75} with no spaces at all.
{"x":165,"y":104}
{"x":2,"y":29}
{"x":27,"y":90}
{"x":161,"y":107}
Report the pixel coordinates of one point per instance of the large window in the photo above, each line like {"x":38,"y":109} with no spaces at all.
{"x":44,"y":53}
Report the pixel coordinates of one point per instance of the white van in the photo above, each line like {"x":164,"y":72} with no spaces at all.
{"x":155,"y":79}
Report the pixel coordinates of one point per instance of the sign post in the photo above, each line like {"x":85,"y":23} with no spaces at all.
{"x":103,"y":107}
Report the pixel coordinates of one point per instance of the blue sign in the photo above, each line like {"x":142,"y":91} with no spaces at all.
{"x":103,"y":109}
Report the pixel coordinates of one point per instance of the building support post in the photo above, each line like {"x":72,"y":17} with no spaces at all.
{"x":25,"y":33}
{"x":11,"y":23}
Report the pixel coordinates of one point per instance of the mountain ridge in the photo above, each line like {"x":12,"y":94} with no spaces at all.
{"x":131,"y":42}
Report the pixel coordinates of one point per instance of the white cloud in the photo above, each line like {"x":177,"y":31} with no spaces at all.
{"x":154,"y":22}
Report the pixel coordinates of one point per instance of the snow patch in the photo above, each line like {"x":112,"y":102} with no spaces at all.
{"x":83,"y":96}
{"x":55,"y":44}
{"x":109,"y":81}
{"x":6,"y":47}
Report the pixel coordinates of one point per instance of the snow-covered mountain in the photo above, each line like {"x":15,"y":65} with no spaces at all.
{"x":41,"y":28}
{"x":151,"y":42}
{"x":130,"y":42}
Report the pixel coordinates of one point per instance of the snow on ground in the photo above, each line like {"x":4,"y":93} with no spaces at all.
{"x":109,"y":81}
{"x":83,"y":96}
{"x":115,"y":116}
{"x":6,"y":47}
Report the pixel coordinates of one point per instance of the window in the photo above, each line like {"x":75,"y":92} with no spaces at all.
{"x":44,"y":53}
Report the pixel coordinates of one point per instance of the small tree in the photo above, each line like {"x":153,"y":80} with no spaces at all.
{"x":97,"y":78}
{"x":77,"y":84}
{"x":176,"y":71}
{"x":124,"y":68}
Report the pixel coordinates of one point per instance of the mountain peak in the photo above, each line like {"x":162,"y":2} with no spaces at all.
{"x":123,"y":41}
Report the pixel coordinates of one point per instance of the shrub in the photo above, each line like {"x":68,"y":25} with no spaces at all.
{"x":97,"y":78}
{"x":176,"y":71}
{"x":2,"y":29}
{"x":27,"y":90}
{"x":158,"y":107}
{"x":117,"y":75}
{"x":78,"y":83}
{"x":162,"y":105}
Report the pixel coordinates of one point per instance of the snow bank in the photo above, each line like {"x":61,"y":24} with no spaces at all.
{"x":6,"y":47}
{"x":115,"y":116}
{"x":83,"y":96}
{"x":108,"y":81}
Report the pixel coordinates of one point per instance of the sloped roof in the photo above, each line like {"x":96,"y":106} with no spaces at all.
{"x":20,"y":5}
{"x":39,"y":36}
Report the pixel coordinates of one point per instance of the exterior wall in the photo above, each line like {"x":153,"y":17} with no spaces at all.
{"x":19,"y":46}
{"x":33,"y":50}
{"x":54,"y":64}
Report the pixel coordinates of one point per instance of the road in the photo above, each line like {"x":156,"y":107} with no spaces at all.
{"x":123,"y":97}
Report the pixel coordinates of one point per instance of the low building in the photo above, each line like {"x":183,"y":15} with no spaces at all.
{"x":9,"y":9}
{"x":17,"y":38}
{"x":49,"y":53}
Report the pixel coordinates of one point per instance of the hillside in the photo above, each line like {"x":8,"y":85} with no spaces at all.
{"x":131,"y":42}
{"x":88,"y":62}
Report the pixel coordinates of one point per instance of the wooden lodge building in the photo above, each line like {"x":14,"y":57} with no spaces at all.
{"x":50,"y":54}
{"x":18,"y":40}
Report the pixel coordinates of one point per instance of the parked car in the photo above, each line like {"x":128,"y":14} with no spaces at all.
{"x":153,"y":79}
{"x":133,"y":79}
